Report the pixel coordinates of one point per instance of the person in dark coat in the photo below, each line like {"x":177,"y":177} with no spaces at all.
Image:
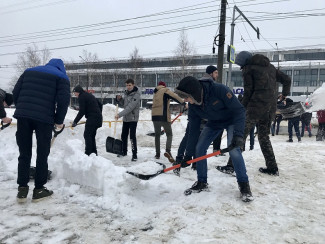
{"x":260,"y":99}
{"x":42,"y":97}
{"x":216,"y":103}
{"x":305,"y":122}
{"x":130,"y":114}
{"x":88,"y":107}
{"x":6,"y":99}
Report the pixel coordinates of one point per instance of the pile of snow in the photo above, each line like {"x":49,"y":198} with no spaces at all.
{"x":317,"y":99}
{"x":96,"y":201}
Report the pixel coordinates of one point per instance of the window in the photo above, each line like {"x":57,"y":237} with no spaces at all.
{"x":314,"y":71}
{"x":288,"y":72}
{"x":296,"y":72}
{"x":296,"y":83}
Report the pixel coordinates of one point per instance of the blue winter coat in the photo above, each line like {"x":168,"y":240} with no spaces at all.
{"x":43,"y":93}
{"x":220,"y":107}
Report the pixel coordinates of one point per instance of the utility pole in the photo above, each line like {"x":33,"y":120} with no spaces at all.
{"x":229,"y":83}
{"x":221,"y":45}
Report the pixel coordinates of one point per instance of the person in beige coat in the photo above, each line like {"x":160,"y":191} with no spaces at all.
{"x":161,"y":116}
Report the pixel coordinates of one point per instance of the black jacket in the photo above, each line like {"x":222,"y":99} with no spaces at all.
{"x":43,"y":93}
{"x":88,"y":107}
{"x":260,"y":87}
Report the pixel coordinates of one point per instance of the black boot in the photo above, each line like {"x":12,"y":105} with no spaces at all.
{"x":134,"y":157}
{"x":245,"y":192}
{"x":226,"y":169}
{"x":197,"y":187}
{"x":273,"y":171}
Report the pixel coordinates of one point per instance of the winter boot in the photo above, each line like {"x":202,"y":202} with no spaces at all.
{"x":134,"y":158}
{"x":178,"y":170}
{"x":274,"y":171}
{"x":290,"y":140}
{"x":245,"y":192}
{"x":41,"y":193}
{"x":251,"y":147}
{"x":299,"y":139}
{"x":226,"y":169}
{"x":197,"y":187}
{"x":168,"y":155}
{"x":121,"y":155}
{"x":157,"y":156}
{"x":22,"y":194}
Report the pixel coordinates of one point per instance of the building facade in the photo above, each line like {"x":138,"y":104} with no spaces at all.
{"x":106,"y":79}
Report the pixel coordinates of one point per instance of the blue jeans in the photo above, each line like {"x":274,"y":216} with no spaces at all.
{"x":207,"y":136}
{"x":294,"y":122}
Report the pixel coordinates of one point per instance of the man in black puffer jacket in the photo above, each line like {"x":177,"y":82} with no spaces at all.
{"x":260,"y":100}
{"x":88,"y":107}
{"x":42,"y":97}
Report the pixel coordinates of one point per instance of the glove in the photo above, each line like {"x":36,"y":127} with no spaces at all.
{"x":237,"y":141}
{"x":183,"y":162}
{"x":74,"y":124}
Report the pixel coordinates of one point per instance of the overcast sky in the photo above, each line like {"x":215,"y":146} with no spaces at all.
{"x":109,"y":28}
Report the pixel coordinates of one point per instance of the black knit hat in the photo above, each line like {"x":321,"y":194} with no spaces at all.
{"x":210,"y":69}
{"x":78,"y":88}
{"x":9,"y":99}
{"x":190,"y":87}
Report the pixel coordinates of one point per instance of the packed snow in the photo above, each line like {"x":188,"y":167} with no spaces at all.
{"x":96,"y":201}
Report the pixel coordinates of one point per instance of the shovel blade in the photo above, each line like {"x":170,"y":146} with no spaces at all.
{"x":114,"y":145}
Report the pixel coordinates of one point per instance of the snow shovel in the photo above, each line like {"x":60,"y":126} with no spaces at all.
{"x":4,"y":126}
{"x":164,"y":170}
{"x":163,"y":131}
{"x":114,"y":145}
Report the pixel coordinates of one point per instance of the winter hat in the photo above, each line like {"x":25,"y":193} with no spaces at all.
{"x":78,"y":89}
{"x":190,"y":87}
{"x":161,"y":83}
{"x":242,"y":58}
{"x":210,"y":69}
{"x":9,"y":99}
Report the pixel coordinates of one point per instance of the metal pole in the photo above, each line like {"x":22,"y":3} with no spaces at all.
{"x":221,"y":44}
{"x":229,"y":83}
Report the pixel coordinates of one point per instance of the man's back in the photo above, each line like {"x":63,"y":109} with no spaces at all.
{"x":39,"y":89}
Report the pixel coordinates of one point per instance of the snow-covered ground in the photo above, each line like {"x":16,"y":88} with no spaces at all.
{"x":96,"y":201}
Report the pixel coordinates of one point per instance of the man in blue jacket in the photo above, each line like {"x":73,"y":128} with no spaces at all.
{"x":41,"y":96}
{"x":216,"y":103}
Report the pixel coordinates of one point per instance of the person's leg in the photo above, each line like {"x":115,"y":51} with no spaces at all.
{"x":24,"y":139}
{"x":278,"y":121}
{"x":237,"y":157}
{"x":43,"y":133}
{"x":217,"y":142}
{"x":302,"y":128}
{"x":309,"y":129}
{"x":182,"y":146}
{"x":124,"y":136}
{"x":296,"y":127}
{"x":133,"y":137}
{"x":157,"y":127}
{"x":290,"y":125}
{"x":206,"y":137}
{"x":169,"y":133}
{"x":89,"y":135}
{"x":252,"y":138}
{"x":273,"y":127}
{"x":265,"y":143}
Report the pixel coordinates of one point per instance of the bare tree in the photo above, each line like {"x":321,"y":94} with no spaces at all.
{"x":184,"y":52}
{"x":32,"y":57}
{"x":136,"y":62}
{"x":89,"y":59}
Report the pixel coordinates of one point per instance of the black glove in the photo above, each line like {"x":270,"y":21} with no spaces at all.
{"x":183,"y":162}
{"x":74,"y":124}
{"x":237,"y":141}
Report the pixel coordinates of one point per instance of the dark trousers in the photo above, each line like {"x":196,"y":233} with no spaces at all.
{"x":182,"y":146}
{"x":263,"y":139}
{"x":132,"y":128}
{"x":90,"y":139}
{"x":276,"y":123}
{"x":169,"y":133}
{"x":252,"y":137}
{"x":303,"y":125}
{"x":294,"y":122}
{"x":217,"y":142}
{"x":24,"y":138}
{"x":321,"y":132}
